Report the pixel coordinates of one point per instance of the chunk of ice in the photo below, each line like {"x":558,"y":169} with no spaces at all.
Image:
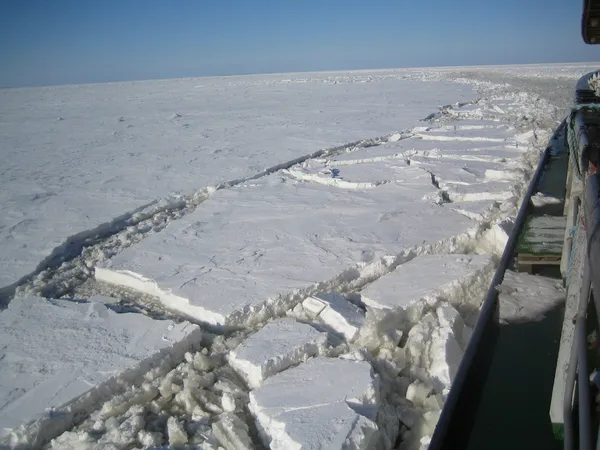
{"x":433,"y":349}
{"x":426,"y":278}
{"x":335,"y":311}
{"x":277,"y":346}
{"x":323,"y":403}
{"x":232,"y":432}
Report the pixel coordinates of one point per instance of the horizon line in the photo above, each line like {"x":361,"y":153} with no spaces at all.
{"x":408,"y":68}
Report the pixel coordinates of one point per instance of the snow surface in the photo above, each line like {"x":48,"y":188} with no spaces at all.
{"x":425,"y":279}
{"x":222,"y":264}
{"x":275,"y":347}
{"x":61,"y":358}
{"x":333,"y":310}
{"x":527,"y":298}
{"x":339,"y":411}
{"x":86,"y":158}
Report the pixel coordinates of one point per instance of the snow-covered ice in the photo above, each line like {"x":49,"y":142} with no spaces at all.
{"x":363,"y":176}
{"x":258,"y":245}
{"x":280,"y":344}
{"x":333,"y":310}
{"x":78,"y":157}
{"x":62,"y":358}
{"x":338,"y":411}
{"x":434,"y":349}
{"x":527,"y":298}
{"x":426,"y":279}
{"x":406,"y":148}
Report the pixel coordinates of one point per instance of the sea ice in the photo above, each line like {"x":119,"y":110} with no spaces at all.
{"x":275,"y":347}
{"x":134,"y":143}
{"x":363,"y":176}
{"x":433,"y":349}
{"x":260,"y":245}
{"x":492,"y":190}
{"x":63,"y":358}
{"x":335,"y":311}
{"x":323,"y":403}
{"x":428,"y":278}
{"x":478,"y":210}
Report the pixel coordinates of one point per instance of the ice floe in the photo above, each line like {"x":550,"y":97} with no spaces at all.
{"x":426,"y":279}
{"x":293,"y":411}
{"x":280,"y":344}
{"x":333,"y":310}
{"x":258,"y":246}
{"x":62,"y":358}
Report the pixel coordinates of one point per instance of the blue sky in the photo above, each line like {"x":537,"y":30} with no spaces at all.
{"x":63,"y":42}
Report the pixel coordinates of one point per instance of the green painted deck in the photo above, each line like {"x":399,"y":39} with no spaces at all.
{"x":542,"y":236}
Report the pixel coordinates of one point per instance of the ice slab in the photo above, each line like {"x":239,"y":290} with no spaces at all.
{"x":61,"y":359}
{"x":256,"y":246}
{"x":491,"y":190}
{"x":335,"y":311}
{"x":470,"y":134}
{"x":475,"y":124}
{"x":426,"y":278}
{"x":477,"y":210}
{"x":527,"y":298}
{"x":323,"y":403}
{"x":275,"y":347}
{"x":363,"y":176}
{"x":415,"y":146}
{"x":466,"y":171}
{"x":433,"y":349}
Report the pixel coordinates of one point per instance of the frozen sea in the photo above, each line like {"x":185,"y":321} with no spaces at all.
{"x":364,"y":205}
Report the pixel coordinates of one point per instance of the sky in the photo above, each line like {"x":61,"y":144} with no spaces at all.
{"x":46,"y":42}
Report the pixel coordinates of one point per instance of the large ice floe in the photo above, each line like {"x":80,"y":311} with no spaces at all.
{"x":222,"y":264}
{"x":62,"y":359}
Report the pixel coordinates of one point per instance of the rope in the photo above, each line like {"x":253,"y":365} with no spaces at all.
{"x":572,"y":137}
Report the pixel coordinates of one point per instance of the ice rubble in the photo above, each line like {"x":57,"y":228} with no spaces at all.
{"x":284,"y":239}
{"x":435,"y":348}
{"x":339,"y":411}
{"x":526,"y":298}
{"x":275,"y":347}
{"x":200,"y":403}
{"x":416,"y":335}
{"x":63,"y":358}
